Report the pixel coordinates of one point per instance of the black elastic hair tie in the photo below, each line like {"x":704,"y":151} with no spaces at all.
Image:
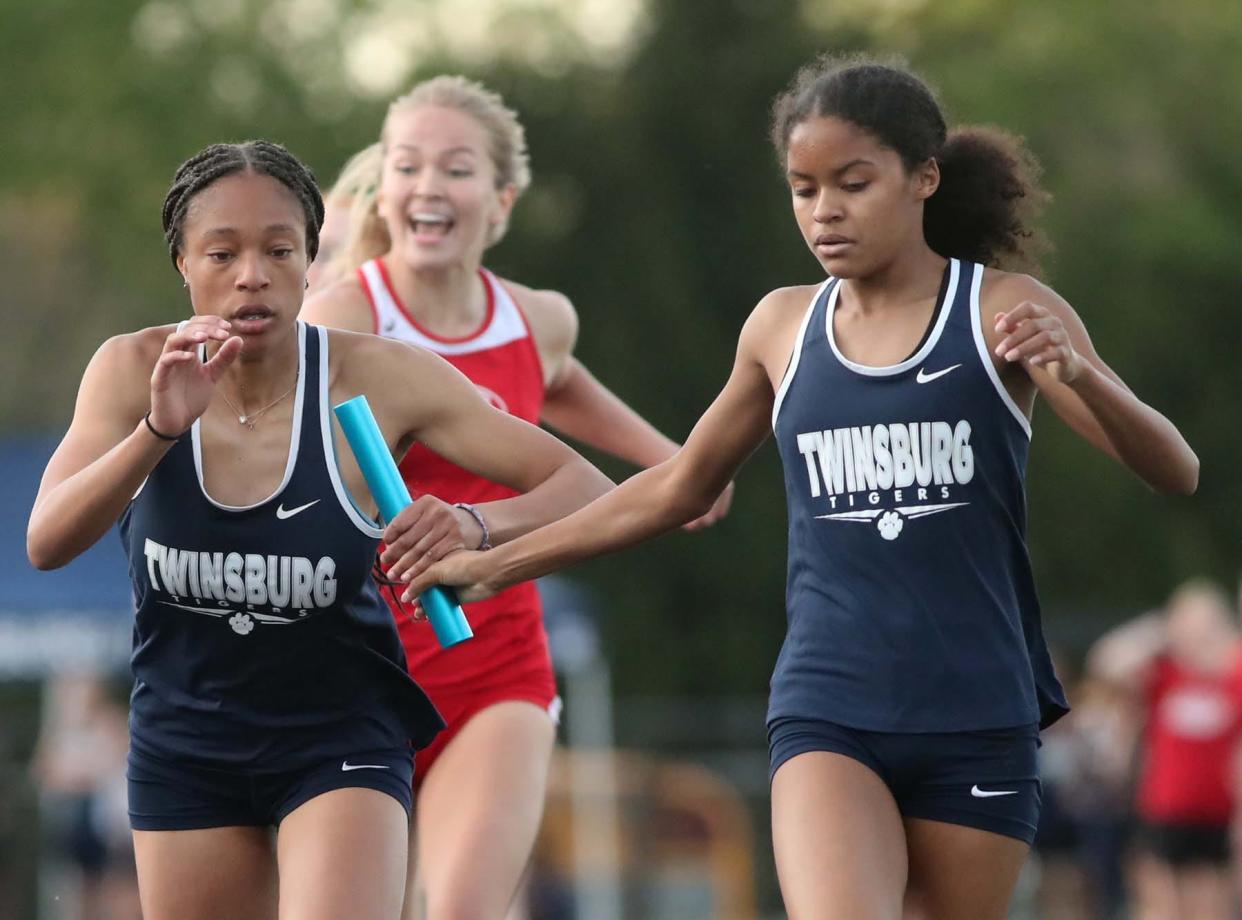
{"x":155,"y":431}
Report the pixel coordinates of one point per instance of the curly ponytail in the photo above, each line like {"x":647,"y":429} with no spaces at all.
{"x":988,"y":199}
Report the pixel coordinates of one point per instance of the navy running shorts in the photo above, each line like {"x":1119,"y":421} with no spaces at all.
{"x":982,"y":779}
{"x":170,"y":795}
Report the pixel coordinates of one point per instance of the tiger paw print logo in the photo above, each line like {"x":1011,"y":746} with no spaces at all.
{"x":242,"y":623}
{"x":890,"y":525}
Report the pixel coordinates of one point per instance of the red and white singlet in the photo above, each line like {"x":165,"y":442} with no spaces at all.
{"x":1193,"y":730}
{"x":508,"y":656}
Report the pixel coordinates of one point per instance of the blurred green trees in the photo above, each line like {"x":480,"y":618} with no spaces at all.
{"x":658,"y":208}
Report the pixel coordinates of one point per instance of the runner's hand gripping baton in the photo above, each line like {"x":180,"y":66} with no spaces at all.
{"x":386,"y":484}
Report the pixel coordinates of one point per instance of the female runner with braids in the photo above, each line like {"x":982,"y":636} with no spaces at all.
{"x":428,"y":200}
{"x":270,"y":686}
{"x":907,"y":699}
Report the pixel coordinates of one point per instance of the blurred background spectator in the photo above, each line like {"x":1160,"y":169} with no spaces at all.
{"x":79,"y":768}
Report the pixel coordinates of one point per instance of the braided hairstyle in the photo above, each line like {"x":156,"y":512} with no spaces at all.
{"x":989,"y":192}
{"x":220,"y":160}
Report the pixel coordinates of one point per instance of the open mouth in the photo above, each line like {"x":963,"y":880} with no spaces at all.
{"x":255,"y":312}
{"x":428,"y":225}
{"x":252,"y":319}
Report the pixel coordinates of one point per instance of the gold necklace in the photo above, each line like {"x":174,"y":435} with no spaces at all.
{"x":249,"y":419}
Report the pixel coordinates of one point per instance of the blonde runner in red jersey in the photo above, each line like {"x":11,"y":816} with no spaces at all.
{"x":426,"y":202}
{"x":509,"y":652}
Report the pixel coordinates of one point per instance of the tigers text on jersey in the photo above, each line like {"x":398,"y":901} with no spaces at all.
{"x":910,"y":598}
{"x":260,"y":638}
{"x":501,"y":360}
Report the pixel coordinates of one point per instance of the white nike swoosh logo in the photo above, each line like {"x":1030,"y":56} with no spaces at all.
{"x":924,"y":377}
{"x":981,"y":794}
{"x":282,"y":514}
{"x":346,"y":766}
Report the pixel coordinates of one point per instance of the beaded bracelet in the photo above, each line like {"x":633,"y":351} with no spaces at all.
{"x":486,"y":542}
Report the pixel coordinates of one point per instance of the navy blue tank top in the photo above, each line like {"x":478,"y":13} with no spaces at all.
{"x":910,"y":598}
{"x":260,"y":638}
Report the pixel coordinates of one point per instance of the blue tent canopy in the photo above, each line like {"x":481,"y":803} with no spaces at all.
{"x":96,"y":582}
{"x":73,"y":618}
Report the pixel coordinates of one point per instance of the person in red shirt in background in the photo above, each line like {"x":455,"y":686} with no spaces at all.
{"x":1185,"y":667}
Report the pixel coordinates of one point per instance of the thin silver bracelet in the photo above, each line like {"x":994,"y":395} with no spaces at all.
{"x":486,"y":542}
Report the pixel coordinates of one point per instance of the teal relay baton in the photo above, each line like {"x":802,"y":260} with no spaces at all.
{"x":386,"y":484}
